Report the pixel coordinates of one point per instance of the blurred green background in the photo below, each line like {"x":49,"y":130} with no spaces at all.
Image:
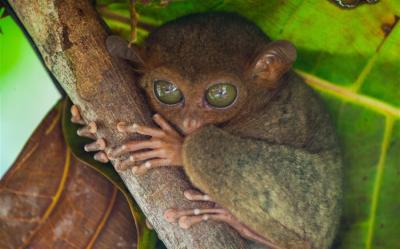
{"x":26,"y":91}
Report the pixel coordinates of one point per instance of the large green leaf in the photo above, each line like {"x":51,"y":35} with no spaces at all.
{"x":352,"y":58}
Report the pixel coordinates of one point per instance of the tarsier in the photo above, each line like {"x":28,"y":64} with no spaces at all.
{"x":246,"y":130}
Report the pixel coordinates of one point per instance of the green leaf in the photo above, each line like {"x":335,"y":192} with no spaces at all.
{"x":352,"y":59}
{"x":147,"y":239}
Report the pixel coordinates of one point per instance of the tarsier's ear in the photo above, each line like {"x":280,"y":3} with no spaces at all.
{"x":273,"y":61}
{"x":119,"y":47}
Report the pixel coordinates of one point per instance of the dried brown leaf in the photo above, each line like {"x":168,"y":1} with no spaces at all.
{"x":49,"y":199}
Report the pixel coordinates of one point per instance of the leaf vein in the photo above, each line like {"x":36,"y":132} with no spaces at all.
{"x":350,"y":96}
{"x":56,"y":197}
{"x":104,"y":219}
{"x":378,"y":181}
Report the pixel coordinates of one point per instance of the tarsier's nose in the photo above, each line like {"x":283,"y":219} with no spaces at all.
{"x":190,"y":125}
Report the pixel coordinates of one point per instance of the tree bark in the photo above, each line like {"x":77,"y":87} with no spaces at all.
{"x":71,"y":39}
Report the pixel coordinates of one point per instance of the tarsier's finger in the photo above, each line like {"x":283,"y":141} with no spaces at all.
{"x":76,"y":116}
{"x":243,"y":230}
{"x":101,"y":157}
{"x":128,"y":128}
{"x":194,"y":195}
{"x":134,"y":146}
{"x":173,"y":214}
{"x":88,"y":131}
{"x":141,"y":129}
{"x":250,"y":235}
{"x":160,"y":121}
{"x":146,"y":155}
{"x":99,"y":144}
{"x":140,"y":170}
{"x":186,"y":222}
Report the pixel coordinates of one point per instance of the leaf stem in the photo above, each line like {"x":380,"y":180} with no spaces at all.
{"x":349,"y":95}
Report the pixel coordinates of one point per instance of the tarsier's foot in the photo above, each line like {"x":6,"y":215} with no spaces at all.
{"x":89,"y":131}
{"x":189,"y":217}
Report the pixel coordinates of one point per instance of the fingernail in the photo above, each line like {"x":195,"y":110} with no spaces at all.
{"x":99,"y":144}
{"x":90,"y":147}
{"x":82,"y":131}
{"x":101,"y":157}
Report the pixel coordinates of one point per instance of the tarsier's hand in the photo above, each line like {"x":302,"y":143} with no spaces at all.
{"x":89,"y":130}
{"x":164,"y":148}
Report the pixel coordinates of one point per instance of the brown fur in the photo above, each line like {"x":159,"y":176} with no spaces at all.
{"x":196,"y":51}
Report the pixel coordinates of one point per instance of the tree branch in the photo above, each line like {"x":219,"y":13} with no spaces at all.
{"x":70,"y":37}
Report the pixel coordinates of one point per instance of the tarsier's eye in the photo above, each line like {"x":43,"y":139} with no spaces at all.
{"x":167,"y":92}
{"x":221,"y":95}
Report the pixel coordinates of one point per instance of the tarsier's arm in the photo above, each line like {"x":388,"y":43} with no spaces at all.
{"x":288,"y":194}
